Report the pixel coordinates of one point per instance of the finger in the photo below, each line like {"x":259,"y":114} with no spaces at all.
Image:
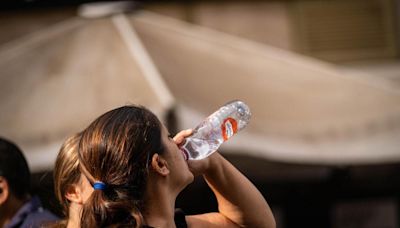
{"x":180,"y":137}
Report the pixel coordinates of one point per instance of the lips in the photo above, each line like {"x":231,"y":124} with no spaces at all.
{"x":184,"y":154}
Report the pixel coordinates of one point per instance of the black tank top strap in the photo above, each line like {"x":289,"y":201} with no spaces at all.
{"x":180,"y":220}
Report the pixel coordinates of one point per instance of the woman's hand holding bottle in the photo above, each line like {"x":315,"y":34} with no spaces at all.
{"x":197,"y":167}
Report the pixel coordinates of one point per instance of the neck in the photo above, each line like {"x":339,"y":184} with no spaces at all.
{"x":74,"y":215}
{"x":160,"y":207}
{"x":9,"y":209}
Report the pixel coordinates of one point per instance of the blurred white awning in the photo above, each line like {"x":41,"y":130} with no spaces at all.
{"x":55,"y":81}
{"x":304,"y":110}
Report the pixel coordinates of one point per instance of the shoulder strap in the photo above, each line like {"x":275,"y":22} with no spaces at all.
{"x":180,"y":220}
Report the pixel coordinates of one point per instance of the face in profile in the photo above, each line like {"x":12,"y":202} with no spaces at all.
{"x":178,"y":166}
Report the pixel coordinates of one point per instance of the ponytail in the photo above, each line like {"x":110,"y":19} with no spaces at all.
{"x":106,"y":208}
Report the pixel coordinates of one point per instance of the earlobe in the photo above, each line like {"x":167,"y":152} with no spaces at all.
{"x":159,"y":165}
{"x":4,"y":190}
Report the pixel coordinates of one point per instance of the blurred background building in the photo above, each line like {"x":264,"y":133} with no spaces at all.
{"x":322,"y":78}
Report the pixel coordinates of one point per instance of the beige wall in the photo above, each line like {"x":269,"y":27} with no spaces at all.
{"x":336,"y":31}
{"x":266,"y":22}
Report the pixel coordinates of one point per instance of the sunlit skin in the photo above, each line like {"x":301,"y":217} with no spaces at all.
{"x":169,"y":175}
{"x":77,"y":194}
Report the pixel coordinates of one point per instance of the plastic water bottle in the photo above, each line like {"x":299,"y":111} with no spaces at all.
{"x":208,"y":136}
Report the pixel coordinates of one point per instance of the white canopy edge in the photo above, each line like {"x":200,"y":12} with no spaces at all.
{"x":140,"y":55}
{"x":15,"y":47}
{"x":42,"y":156}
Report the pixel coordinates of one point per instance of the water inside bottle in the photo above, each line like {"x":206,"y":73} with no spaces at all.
{"x":200,"y":148}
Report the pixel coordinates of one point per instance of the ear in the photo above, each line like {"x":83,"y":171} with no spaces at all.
{"x":74,"y":194}
{"x":159,"y":165}
{"x":4,"y":190}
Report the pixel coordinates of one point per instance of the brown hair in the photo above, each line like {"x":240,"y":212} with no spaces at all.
{"x":14,"y":168}
{"x":116,"y":149}
{"x":66,"y":170}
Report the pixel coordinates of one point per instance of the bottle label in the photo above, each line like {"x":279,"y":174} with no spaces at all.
{"x":229,"y":128}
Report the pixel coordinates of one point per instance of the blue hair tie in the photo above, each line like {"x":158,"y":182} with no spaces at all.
{"x":98,"y":185}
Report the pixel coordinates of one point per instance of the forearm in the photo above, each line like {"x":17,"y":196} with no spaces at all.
{"x":238,"y":199}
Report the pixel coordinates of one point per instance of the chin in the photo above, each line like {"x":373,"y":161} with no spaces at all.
{"x":189,"y":179}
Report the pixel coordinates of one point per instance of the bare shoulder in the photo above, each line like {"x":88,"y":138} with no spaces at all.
{"x":209,"y":220}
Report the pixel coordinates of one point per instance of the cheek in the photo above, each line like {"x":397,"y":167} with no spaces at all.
{"x":173,"y":150}
{"x":175,"y":154}
{"x":179,"y":156}
{"x":87,"y":189}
